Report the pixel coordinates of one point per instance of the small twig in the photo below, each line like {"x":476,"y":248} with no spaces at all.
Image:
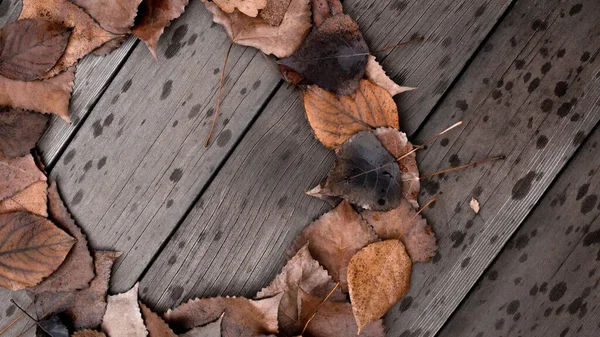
{"x":429,"y":175}
{"x":423,"y":208}
{"x":212,"y":127}
{"x":33,"y":319}
{"x":47,"y":312}
{"x":319,"y":307}
{"x":413,"y":40}
{"x":15,"y":320}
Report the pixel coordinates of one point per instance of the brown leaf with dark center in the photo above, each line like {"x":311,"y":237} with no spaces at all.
{"x":301,"y":272}
{"x":402,"y":223}
{"x":247,"y":7}
{"x":153,"y":17}
{"x":31,"y":249}
{"x":155,"y":325}
{"x":88,"y":333}
{"x":378,"y":276}
{"x":364,"y":174}
{"x":334,"y":119}
{"x":20,"y":130}
{"x":375,"y":73}
{"x":77,"y":270}
{"x":122,"y":316}
{"x":280,"y":41}
{"x":87,"y":35}
{"x":47,"y":96}
{"x":396,"y":143}
{"x":31,"y":47}
{"x":241,"y":317}
{"x":85,"y":307}
{"x":32,"y":199}
{"x":334,"y":238}
{"x":274,"y":11}
{"x":209,"y":330}
{"x":16,"y":174}
{"x":333,"y":56}
{"x":333,"y":319}
{"x":115,"y":16}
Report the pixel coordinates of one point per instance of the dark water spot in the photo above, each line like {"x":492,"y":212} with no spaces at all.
{"x":557,"y":292}
{"x":544,"y":287}
{"x":579,"y":138}
{"x":561,"y":53}
{"x":87,"y":166}
{"x":108,"y":120}
{"x":462,"y":105}
{"x":145,"y":290}
{"x":523,"y":258}
{"x":544,"y":51}
{"x":541,"y":142}
{"x":574,"y":307}
{"x":493,"y":275}
{"x":509,"y":85}
{"x":169,"y":203}
{"x":454,"y":160}
{"x":281,"y":202}
{"x":176,"y":293}
{"x":517,"y":316}
{"x":585,"y":57}
{"x":569,"y":230}
{"x":431,"y":186}
{"x":405,"y":304}
{"x":479,"y":12}
{"x":172,"y":50}
{"x":546,"y":68}
{"x":399,"y":6}
{"x":499,"y":324}
{"x":216,"y":71}
{"x":477,"y":191}
{"x":582,"y":191}
{"x":457,"y":237}
{"x":126,"y":86}
{"x":223,"y":138}
{"x":97,"y":129}
{"x":564,"y":332}
{"x":447,"y":42}
{"x":522,"y":186}
{"x":192,"y":39}
{"x":436,"y":258}
{"x":444,"y":142}
{"x":218,"y":236}
{"x":575,"y":9}
{"x":179,"y":33}
{"x":225,"y":121}
{"x":546,"y":105}
{"x":195,"y":111}
{"x":176,"y":175}
{"x":175,"y":123}
{"x":533,"y":291}
{"x":539,"y":25}
{"x":166,"y":90}
{"x":513,"y":42}
{"x":243,"y":91}
{"x":181,"y":244}
{"x":69,"y":157}
{"x":591,"y":238}
{"x":535,"y":83}
{"x":522,"y":241}
{"x":444,"y":61}
{"x":575,"y":117}
{"x":172,"y":260}
{"x":210,"y":112}
{"x":493,"y":239}
{"x":114,"y":99}
{"x":256,"y":85}
{"x":488,"y":47}
{"x":465,"y":262}
{"x":496,"y":94}
{"x":512,"y":307}
{"x":519,"y":64}
{"x":561,"y":89}
{"x":485,"y":118}
{"x":10,"y":310}
{"x":486,"y":81}
{"x":77,"y":198}
{"x":559,"y":309}
{"x":101,"y":163}
{"x":526,"y":77}
{"x":547,"y":312}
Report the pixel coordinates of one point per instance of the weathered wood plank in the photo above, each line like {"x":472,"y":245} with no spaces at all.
{"x":546,"y":278}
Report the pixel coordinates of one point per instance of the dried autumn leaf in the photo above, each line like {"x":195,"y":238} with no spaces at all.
{"x":378,"y":276}
{"x":88,"y":333}
{"x":375,"y":73}
{"x":153,"y":17}
{"x":334,"y":238}
{"x":474,"y":204}
{"x":155,"y":325}
{"x":247,"y":7}
{"x":46,"y":96}
{"x":241,"y":317}
{"x":324,"y":9}
{"x":333,"y":56}
{"x":87,"y":35}
{"x":280,"y":41}
{"x":115,"y":16}
{"x":32,"y":199}
{"x":209,"y":330}
{"x":16,"y":174}
{"x":31,"y":47}
{"x":301,"y":272}
{"x":123,"y":316}
{"x":396,"y":143}
{"x":110,"y":46}
{"x":274,"y":11}
{"x":364,"y":174}
{"x":20,"y":130}
{"x":404,"y":224}
{"x":53,"y":326}
{"x":334,"y":119}
{"x":333,"y":319}
{"x":31,"y":249}
{"x":77,"y":270}
{"x":85,"y":307}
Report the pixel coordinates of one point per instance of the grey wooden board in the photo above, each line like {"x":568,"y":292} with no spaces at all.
{"x":233,"y":241}
{"x":538,"y":284}
{"x":92,"y":77}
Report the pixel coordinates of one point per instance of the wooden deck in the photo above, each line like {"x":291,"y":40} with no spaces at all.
{"x":523,"y":75}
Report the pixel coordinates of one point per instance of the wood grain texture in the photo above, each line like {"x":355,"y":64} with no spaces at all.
{"x":545,"y":281}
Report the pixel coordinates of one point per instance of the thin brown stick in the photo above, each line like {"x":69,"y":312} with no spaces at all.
{"x":413,"y":40}
{"x":423,"y":208}
{"x":47,"y":312}
{"x":212,"y":127}
{"x":319,"y":307}
{"x":33,"y":319}
{"x":429,"y":175}
{"x":15,"y":320}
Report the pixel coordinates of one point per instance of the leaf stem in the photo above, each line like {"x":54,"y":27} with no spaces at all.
{"x":429,"y":175}
{"x":319,"y":307}
{"x":16,"y":319}
{"x":212,"y":127}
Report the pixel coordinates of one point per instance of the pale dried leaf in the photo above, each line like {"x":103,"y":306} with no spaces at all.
{"x":247,"y":7}
{"x":280,"y":41}
{"x":274,"y":11}
{"x":155,"y":325}
{"x":20,"y":130}
{"x":378,"y":276}
{"x":88,"y":333}
{"x":16,"y":174}
{"x":115,"y":16}
{"x":375,"y":73}
{"x":209,"y":330}
{"x":474,"y":204}
{"x":32,"y":199}
{"x":123,"y":316}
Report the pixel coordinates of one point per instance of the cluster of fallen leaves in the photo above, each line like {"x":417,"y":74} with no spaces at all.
{"x":345,"y":270}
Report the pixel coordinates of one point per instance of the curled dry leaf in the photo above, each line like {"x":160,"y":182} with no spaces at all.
{"x":375,"y":73}
{"x":246,"y":7}
{"x":155,"y":325}
{"x":274,"y":11}
{"x":334,"y":119}
{"x":333,"y":56}
{"x":378,"y":276}
{"x":280,"y":41}
{"x":334,"y":238}
{"x":404,"y":224}
{"x":20,"y":130}
{"x":153,"y":17}
{"x":85,"y":307}
{"x":31,"y":249}
{"x":241,"y":317}
{"x":77,"y":270}
{"x":209,"y":330}
{"x":87,"y":35}
{"x":31,"y":47}
{"x":88,"y":333}
{"x":396,"y":143}
{"x":32,"y":199}
{"x":474,"y":204}
{"x":364,"y":174}
{"x":301,"y":272}
{"x":115,"y":16}
{"x":122,"y":316}
{"x":16,"y":174}
{"x":47,"y":96}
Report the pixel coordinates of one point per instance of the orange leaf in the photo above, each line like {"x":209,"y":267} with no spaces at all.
{"x":32,"y":199}
{"x":16,"y":174}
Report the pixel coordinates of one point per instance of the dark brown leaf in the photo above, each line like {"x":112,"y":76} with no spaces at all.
{"x":31,"y":47}
{"x":324,"y":9}
{"x":153,"y":17}
{"x":20,"y":130}
{"x":115,"y":16}
{"x":155,"y":325}
{"x":16,"y":174}
{"x":52,"y":325}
